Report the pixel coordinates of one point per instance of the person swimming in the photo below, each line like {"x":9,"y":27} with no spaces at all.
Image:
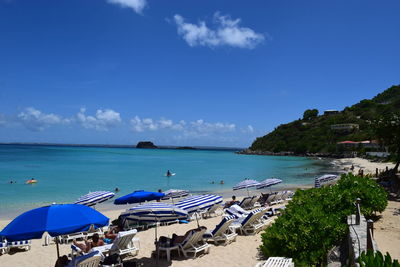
{"x":169,"y":173}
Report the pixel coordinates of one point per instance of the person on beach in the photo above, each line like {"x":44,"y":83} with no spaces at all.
{"x":87,"y":246}
{"x":230,"y":203}
{"x":178,"y":239}
{"x":62,"y":261}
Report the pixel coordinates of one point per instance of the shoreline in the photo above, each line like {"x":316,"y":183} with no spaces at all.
{"x":366,"y":165}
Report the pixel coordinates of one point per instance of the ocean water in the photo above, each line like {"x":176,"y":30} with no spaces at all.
{"x":65,"y":173}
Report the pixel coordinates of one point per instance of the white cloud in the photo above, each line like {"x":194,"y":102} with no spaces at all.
{"x":35,"y":120}
{"x":227,"y":32}
{"x":136,"y":5}
{"x":196,"y":128}
{"x":102,"y":121}
{"x":248,"y":129}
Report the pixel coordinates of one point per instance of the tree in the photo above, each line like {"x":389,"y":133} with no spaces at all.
{"x":310,"y":114}
{"x":387,"y":129}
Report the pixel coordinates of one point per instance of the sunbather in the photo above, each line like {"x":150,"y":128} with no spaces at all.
{"x":87,"y":246}
{"x":177,"y":239}
{"x":231,"y":202}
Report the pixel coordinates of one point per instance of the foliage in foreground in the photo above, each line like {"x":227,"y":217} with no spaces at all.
{"x":371,"y":259}
{"x":315,"y":220}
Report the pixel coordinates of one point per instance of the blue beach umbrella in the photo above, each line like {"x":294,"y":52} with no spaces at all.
{"x":268,"y":182}
{"x":94,"y":198}
{"x":247,"y":183}
{"x":56,"y":219}
{"x":138,"y":197}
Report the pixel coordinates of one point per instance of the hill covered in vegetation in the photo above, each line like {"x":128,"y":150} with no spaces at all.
{"x":320,"y":133}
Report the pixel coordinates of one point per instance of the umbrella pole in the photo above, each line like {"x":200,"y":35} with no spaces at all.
{"x":58,"y":249}
{"x":248,"y":194}
{"x":197,"y":219}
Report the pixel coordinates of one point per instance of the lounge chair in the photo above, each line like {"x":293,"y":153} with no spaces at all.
{"x":22,"y":244}
{"x":276,"y":262}
{"x":278,"y":198}
{"x":271,"y":198}
{"x":3,"y":247}
{"x":254,"y":202}
{"x":222,"y":232}
{"x":210,"y":211}
{"x":91,"y":259}
{"x":245,"y":202}
{"x":252,"y":223}
{"x":195,"y":243}
{"x":125,"y":244}
{"x":65,"y":239}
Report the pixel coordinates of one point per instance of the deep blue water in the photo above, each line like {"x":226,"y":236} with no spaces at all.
{"x":65,"y":173}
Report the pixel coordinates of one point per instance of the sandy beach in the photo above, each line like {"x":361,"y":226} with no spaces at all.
{"x":387,"y":230}
{"x":243,"y":252}
{"x":364,"y":164}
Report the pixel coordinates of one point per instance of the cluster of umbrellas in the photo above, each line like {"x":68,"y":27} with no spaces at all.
{"x":62,"y":219}
{"x":248,"y":183}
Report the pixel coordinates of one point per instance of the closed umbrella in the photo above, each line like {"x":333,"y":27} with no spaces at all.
{"x":138,"y":197}
{"x":94,"y":198}
{"x":56,"y":220}
{"x":268,"y":182}
{"x":247,"y":183}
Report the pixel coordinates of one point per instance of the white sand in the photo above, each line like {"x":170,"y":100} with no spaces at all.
{"x":387,"y":230}
{"x":243,"y":252}
{"x":366,"y":165}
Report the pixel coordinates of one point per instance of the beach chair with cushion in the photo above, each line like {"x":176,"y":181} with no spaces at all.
{"x":278,"y":198}
{"x":271,"y":198}
{"x":195,"y":243}
{"x":245,"y":202}
{"x":222,"y":232}
{"x":91,"y":259}
{"x":276,"y":262}
{"x":252,"y":223}
{"x":210,"y":211}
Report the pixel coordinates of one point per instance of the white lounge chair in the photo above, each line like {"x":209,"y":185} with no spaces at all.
{"x":3,"y":247}
{"x":65,"y":239}
{"x":222,"y":232}
{"x":124,"y":244}
{"x":22,"y":244}
{"x":252,"y":223}
{"x":278,"y":198}
{"x":276,"y":262}
{"x":245,"y":202}
{"x":253,"y":202}
{"x":210,"y":211}
{"x":195,"y":243}
{"x":91,"y":259}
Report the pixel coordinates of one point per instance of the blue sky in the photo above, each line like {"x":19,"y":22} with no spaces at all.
{"x":186,"y":72}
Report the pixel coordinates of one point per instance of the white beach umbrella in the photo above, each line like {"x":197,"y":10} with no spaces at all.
{"x":94,"y":198}
{"x":175,"y":193}
{"x":268,"y":182}
{"x":247,"y":183}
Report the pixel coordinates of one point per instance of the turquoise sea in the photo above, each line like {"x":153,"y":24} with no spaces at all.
{"x":65,"y":173}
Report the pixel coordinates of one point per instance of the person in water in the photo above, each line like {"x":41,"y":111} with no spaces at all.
{"x":169,"y":173}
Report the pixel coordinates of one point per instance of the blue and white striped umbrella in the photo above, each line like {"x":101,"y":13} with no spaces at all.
{"x":268,"y":182}
{"x":155,"y":212}
{"x":200,"y":202}
{"x":175,"y":193}
{"x":94,"y":197}
{"x":246,"y":184}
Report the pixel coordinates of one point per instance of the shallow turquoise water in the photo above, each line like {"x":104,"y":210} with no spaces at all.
{"x":65,"y":173}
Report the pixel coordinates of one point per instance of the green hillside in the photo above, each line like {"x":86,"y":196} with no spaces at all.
{"x":313,"y":134}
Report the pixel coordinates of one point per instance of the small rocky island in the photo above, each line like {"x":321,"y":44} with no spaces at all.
{"x":145,"y":144}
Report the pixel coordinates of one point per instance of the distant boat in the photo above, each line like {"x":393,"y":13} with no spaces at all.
{"x":31,"y":181}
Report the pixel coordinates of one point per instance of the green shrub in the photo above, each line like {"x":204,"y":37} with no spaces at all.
{"x":371,"y":259}
{"x":315,"y":220}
